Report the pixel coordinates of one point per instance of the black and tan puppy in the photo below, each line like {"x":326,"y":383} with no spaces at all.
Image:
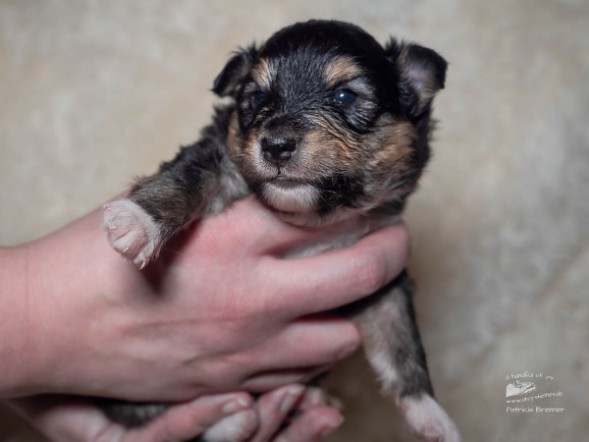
{"x":324,"y":124}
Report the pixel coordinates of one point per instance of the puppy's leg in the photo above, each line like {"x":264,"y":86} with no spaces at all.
{"x":131,"y":231}
{"x":157,"y":206}
{"x":393,"y":348}
{"x":130,"y":414}
{"x":201,"y":179}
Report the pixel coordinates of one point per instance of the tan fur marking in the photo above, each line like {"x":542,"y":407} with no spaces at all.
{"x":388,"y":149}
{"x":332,"y":137}
{"x":396,"y":139}
{"x":242,"y":150}
{"x":341,"y":69}
{"x":232,"y":134}
{"x":395,"y":158}
{"x":320,"y":149}
{"x":263,"y":74}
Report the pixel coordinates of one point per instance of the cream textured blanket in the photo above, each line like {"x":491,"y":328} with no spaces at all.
{"x":93,"y":93}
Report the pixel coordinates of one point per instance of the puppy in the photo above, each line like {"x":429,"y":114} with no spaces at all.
{"x":324,"y":124}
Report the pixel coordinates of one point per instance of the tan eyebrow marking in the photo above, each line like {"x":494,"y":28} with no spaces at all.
{"x":341,"y":69}
{"x":263,"y":73}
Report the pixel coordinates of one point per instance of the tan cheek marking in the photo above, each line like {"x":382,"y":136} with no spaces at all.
{"x":332,"y":149}
{"x":233,"y":137}
{"x":388,"y":149}
{"x":263,"y":74}
{"x":242,"y":150}
{"x":340,"y":70}
{"x":318,"y":148}
{"x":396,"y":151}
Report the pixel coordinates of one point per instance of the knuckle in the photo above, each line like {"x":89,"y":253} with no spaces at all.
{"x":342,"y":341}
{"x":349,"y":343}
{"x":369,"y":274}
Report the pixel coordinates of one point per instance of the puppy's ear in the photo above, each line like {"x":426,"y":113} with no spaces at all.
{"x":234,"y":72}
{"x":422,"y":73}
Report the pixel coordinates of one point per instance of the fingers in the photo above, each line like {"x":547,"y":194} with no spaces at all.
{"x":247,"y":225}
{"x":68,"y":418}
{"x":313,"y":397}
{"x":185,"y":421}
{"x":235,"y":428}
{"x":274,"y":380}
{"x":273,"y":409}
{"x":308,"y":343}
{"x":312,"y":425}
{"x":338,"y":277}
{"x":276,"y":407}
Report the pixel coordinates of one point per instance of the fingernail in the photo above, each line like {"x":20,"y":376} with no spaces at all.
{"x":292,"y":395}
{"x":234,"y":405}
{"x":330,"y":428}
{"x":346,"y":351}
{"x":315,"y":398}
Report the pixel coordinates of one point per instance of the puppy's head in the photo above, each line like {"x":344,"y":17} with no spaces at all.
{"x":328,"y":122}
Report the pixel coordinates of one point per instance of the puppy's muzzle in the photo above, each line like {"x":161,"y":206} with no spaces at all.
{"x":278,"y":150}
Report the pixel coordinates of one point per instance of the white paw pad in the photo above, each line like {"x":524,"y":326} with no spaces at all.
{"x":427,"y":420}
{"x":235,"y":428}
{"x":131,"y":231}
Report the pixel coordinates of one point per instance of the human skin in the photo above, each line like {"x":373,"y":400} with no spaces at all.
{"x":69,"y":419}
{"x":220,"y":311}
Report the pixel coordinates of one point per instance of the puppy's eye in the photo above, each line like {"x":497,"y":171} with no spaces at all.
{"x":257,"y":98}
{"x":344,"y":97}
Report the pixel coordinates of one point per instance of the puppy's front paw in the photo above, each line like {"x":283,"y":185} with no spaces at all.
{"x":427,"y":420}
{"x":131,"y":231}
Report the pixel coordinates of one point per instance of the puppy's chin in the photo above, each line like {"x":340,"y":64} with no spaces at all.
{"x":291,"y":197}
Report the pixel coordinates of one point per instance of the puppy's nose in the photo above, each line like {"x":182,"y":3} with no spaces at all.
{"x":278,"y":150}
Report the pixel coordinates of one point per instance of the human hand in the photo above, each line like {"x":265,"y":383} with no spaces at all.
{"x":314,"y":419}
{"x":219,"y":311}
{"x":69,"y":419}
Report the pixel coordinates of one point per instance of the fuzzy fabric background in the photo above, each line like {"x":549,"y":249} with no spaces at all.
{"x":93,"y":93}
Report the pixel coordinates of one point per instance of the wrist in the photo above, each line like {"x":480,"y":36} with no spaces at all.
{"x":61,"y":281}
{"x":15,"y":329}
{"x":51,"y":283}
